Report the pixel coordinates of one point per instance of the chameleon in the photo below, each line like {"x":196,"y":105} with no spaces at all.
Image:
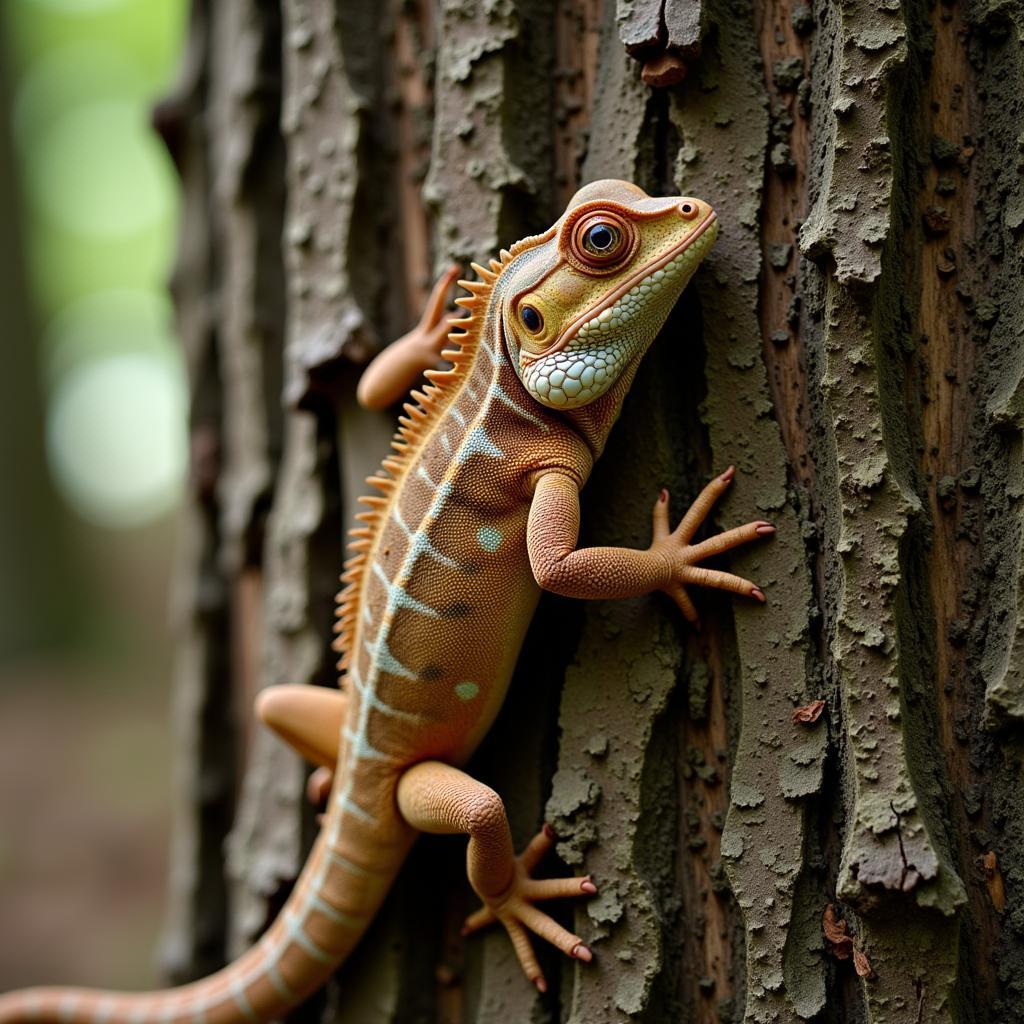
{"x":475,"y":512}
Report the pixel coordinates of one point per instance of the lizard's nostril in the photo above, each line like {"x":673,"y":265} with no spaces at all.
{"x":688,"y":210}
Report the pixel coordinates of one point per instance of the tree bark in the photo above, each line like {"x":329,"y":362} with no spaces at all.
{"x":853,"y":345}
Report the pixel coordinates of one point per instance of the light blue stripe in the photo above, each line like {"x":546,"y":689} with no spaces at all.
{"x":276,"y":979}
{"x":479,"y":443}
{"x":376,"y":703}
{"x":350,"y":866}
{"x":348,"y":804}
{"x":321,"y":906}
{"x":401,"y":598}
{"x":242,"y":1000}
{"x":385,"y":660}
{"x":104,"y":1011}
{"x":364,"y":748}
{"x":500,"y":394}
{"x":296,"y":933}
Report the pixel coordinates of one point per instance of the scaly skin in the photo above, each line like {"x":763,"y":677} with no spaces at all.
{"x":478,"y":510}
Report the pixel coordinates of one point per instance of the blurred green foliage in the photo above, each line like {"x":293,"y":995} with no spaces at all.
{"x":99,"y":218}
{"x":93,"y":395}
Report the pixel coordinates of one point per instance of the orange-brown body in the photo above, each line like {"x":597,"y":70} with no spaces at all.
{"x":476,"y":511}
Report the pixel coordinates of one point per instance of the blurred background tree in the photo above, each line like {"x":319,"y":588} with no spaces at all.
{"x":92,"y":459}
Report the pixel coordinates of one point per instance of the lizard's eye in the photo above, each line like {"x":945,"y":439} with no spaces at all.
{"x":600,"y":243}
{"x":532,"y":320}
{"x":601,"y":239}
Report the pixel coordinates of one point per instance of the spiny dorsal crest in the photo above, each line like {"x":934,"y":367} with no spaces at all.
{"x":426,"y":408}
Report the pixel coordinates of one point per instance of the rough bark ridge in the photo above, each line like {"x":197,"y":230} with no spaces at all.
{"x":806,"y":811}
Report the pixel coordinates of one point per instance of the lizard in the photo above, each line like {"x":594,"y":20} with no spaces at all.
{"x":476,"y":512}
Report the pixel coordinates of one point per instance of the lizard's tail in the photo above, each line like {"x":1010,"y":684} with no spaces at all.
{"x":331,"y":906}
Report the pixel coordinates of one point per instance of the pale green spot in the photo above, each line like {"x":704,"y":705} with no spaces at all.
{"x":489,"y":538}
{"x":466,"y":691}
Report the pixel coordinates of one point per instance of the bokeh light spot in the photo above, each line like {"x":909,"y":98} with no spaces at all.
{"x":116,"y":437}
{"x":70,"y":76}
{"x":106,"y":323}
{"x":100,"y":171}
{"x":80,"y":6}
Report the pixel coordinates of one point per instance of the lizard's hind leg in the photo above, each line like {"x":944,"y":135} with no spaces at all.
{"x":309,"y":719}
{"x":435,"y":797}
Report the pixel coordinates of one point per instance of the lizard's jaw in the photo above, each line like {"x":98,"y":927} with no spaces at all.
{"x":593,"y":352}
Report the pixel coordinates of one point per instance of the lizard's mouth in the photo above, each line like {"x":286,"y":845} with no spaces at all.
{"x":634,"y":281}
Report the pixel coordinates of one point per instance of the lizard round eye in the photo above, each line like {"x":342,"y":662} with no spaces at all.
{"x":532,"y":320}
{"x":601,"y":238}
{"x":688,"y":209}
{"x":600,"y":242}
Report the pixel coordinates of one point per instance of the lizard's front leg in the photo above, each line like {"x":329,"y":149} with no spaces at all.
{"x":435,"y":797}
{"x":390,"y":376}
{"x":669,"y":564}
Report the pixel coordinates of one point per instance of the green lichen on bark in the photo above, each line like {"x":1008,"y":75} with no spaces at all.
{"x":998,"y":44}
{"x":994,"y":607}
{"x":723,"y":124}
{"x":855,"y":231}
{"x":605,"y":801}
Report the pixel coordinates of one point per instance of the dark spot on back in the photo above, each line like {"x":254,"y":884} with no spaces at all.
{"x":429,"y":673}
{"x":458,"y":610}
{"x":470,"y":568}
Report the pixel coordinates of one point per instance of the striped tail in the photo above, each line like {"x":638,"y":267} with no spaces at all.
{"x":333,"y":903}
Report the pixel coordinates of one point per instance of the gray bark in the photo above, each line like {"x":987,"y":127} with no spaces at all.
{"x":852,"y":345}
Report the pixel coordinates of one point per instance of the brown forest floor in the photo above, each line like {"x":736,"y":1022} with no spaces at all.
{"x":83,"y":829}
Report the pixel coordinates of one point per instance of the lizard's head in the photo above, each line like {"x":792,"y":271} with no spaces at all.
{"x":581,"y":306}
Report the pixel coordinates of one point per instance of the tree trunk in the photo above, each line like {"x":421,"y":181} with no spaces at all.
{"x":853,"y":345}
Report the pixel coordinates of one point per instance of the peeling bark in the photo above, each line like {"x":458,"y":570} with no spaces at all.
{"x":853,"y":345}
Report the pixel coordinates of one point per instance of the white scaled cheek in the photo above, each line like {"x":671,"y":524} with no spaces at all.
{"x":575,"y":376}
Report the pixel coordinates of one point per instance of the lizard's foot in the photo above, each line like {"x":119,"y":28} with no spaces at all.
{"x":515,"y":909}
{"x":440,"y":798}
{"x":397,"y":368}
{"x":674,"y":546}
